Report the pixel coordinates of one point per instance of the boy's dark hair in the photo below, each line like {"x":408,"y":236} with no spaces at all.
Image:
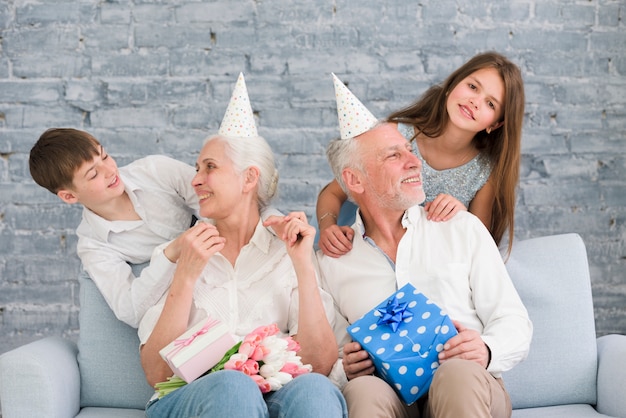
{"x":57,"y":155}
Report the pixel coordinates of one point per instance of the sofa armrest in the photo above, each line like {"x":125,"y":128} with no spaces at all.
{"x":612,"y":375}
{"x":40,"y":379}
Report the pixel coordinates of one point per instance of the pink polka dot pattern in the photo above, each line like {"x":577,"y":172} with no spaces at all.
{"x":238,"y":120}
{"x":354,"y":118}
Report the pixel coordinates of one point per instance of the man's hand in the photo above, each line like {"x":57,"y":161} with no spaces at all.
{"x":335,"y":240}
{"x":443,"y":208}
{"x":356,"y":361}
{"x":467,"y":345}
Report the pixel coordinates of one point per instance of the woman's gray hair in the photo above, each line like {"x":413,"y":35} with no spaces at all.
{"x":253,"y":152}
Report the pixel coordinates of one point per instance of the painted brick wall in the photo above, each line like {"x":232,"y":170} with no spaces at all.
{"x":155,"y":77}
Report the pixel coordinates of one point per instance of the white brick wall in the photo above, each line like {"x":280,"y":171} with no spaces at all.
{"x":155,"y":77}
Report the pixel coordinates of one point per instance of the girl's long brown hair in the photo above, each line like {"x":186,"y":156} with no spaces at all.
{"x":429,"y":116}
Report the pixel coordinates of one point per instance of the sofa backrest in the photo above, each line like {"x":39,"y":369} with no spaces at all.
{"x":108,"y":355}
{"x":551,"y":275}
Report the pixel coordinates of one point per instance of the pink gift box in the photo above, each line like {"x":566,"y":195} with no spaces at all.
{"x":199,"y":349}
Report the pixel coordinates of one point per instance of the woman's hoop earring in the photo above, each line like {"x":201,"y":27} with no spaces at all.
{"x":488,"y":131}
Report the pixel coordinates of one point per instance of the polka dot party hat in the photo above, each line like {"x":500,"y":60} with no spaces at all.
{"x":238,"y":120}
{"x":354,"y":118}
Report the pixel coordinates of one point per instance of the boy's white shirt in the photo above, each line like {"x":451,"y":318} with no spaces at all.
{"x":161,"y":192}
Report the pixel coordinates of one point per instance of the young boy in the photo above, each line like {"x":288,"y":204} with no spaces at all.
{"x":128,"y":211}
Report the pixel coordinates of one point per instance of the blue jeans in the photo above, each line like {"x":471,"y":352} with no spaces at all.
{"x":232,"y":394}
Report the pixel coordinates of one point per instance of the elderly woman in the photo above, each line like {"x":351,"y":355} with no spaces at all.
{"x":236,"y":270}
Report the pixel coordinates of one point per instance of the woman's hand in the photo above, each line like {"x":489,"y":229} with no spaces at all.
{"x":296,"y":232}
{"x":443,"y":208}
{"x":197,"y":245}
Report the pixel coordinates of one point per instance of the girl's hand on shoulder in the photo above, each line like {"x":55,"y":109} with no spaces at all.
{"x":336,"y":240}
{"x":443,"y":208}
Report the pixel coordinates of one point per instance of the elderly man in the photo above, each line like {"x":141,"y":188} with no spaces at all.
{"x":455,"y":263}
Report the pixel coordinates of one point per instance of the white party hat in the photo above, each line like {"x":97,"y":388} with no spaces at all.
{"x":238,"y":120}
{"x":354,"y":118}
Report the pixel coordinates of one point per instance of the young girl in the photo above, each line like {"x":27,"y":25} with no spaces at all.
{"x":467,"y":132}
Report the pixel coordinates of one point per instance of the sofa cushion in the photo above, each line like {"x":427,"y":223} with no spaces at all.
{"x":561,"y":411}
{"x":111,"y":413}
{"x":108,"y":349}
{"x":555,"y":287}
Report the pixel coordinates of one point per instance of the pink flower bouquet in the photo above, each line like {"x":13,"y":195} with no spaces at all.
{"x":270,"y":360}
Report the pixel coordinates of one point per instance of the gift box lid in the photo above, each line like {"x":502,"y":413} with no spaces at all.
{"x":203,"y":334}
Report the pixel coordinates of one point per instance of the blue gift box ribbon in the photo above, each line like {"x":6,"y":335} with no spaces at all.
{"x":393,"y":313}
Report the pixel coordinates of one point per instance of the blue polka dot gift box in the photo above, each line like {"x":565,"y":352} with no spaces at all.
{"x":404,"y":335}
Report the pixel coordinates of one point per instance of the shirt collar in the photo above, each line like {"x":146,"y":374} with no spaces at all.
{"x":358,"y":221}
{"x":129,"y":184}
{"x":102,"y":228}
{"x":262,"y":237}
{"x":410,"y":217}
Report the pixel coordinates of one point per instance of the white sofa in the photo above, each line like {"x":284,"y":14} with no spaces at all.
{"x":569,"y":373}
